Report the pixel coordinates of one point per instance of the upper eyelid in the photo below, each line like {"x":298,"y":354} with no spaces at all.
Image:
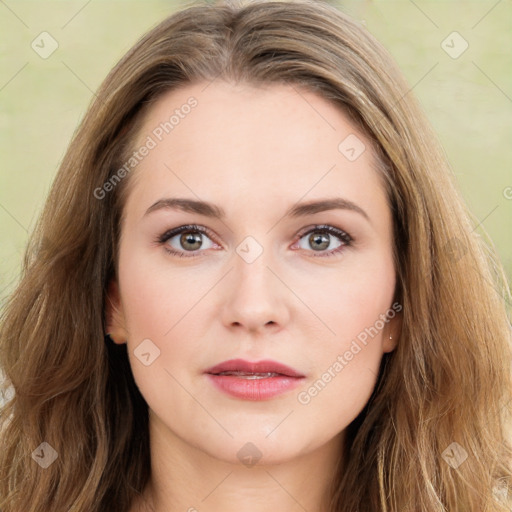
{"x":171,"y":233}
{"x":326,"y":227}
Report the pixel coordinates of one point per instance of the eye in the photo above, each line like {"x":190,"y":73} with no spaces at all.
{"x":185,"y":239}
{"x":188,"y":240}
{"x":321,"y":238}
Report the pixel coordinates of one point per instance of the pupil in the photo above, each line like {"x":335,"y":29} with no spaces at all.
{"x":322,"y":240}
{"x":188,"y":238}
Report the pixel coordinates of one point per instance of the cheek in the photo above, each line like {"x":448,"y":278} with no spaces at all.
{"x":345,"y":365}
{"x":346,"y":358}
{"x":156,"y":296}
{"x":162,"y":345}
{"x":158,"y":308}
{"x":352,"y":300}
{"x":332,"y":401}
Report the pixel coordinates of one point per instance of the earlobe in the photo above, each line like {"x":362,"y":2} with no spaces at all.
{"x":114,"y":315}
{"x":389,"y":344}
{"x":391,"y":335}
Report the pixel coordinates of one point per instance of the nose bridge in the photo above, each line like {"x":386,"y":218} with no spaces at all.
{"x":254,"y":297}
{"x":252,"y":274}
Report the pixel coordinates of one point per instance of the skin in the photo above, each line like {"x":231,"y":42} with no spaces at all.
{"x":255,"y":151}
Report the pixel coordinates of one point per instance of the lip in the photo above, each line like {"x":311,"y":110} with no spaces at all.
{"x":266,"y":366}
{"x":281,"y":378}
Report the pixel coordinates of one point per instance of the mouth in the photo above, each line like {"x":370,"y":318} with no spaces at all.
{"x":247,"y":380}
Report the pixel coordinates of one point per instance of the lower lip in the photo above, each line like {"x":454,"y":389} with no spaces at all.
{"x":254,"y":389}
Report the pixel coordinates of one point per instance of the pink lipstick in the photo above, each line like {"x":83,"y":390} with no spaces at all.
{"x":259,"y":380}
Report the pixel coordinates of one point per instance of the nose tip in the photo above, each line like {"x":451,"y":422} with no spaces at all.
{"x":255,"y":298}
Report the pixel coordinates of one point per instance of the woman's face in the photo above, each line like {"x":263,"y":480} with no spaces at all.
{"x":259,"y":278}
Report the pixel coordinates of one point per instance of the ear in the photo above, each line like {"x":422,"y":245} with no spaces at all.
{"x":391,"y":333}
{"x":116,"y":326}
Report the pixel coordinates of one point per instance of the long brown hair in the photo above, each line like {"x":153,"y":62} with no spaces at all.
{"x":443,"y":395}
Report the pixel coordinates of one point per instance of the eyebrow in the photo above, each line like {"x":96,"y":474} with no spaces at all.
{"x":212,"y":210}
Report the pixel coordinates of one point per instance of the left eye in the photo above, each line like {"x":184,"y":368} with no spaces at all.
{"x":320,"y":238}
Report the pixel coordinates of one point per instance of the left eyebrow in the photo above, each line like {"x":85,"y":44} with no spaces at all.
{"x":214,"y":211}
{"x":336,"y":203}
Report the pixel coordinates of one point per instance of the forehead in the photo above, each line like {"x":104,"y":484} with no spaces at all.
{"x":220,"y":142}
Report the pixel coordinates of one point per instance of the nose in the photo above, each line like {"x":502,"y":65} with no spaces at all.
{"x":256,"y":297}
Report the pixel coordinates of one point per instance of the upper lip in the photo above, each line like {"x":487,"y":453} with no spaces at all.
{"x":266,"y":366}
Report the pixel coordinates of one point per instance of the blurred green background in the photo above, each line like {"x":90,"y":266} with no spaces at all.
{"x":468,"y":98}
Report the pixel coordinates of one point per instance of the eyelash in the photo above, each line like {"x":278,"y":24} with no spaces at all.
{"x":343,"y":236}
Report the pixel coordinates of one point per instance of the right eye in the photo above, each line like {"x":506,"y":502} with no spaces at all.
{"x":185,"y":239}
